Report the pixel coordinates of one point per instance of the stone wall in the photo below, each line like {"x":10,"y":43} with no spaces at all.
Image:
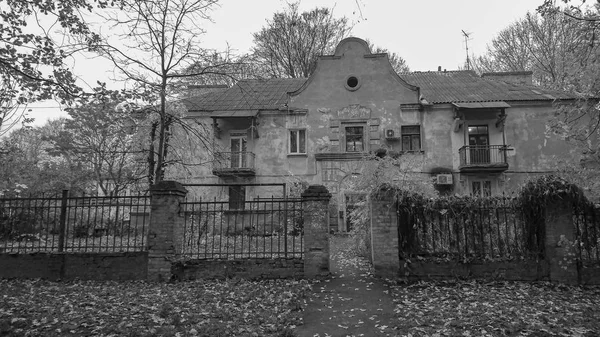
{"x":162,"y":261}
{"x":526,"y":270}
{"x":384,"y":235}
{"x":315,"y":207}
{"x":165,"y":232}
{"x":70,"y":266}
{"x":247,"y":268}
{"x":559,"y":263}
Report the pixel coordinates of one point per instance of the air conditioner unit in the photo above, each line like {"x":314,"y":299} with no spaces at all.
{"x":444,"y":179}
{"x":392,"y":134}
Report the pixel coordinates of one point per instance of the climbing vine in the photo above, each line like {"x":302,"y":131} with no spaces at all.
{"x":536,"y":195}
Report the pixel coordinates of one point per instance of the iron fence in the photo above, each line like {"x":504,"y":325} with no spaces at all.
{"x":587,"y":230}
{"x":74,"y":224}
{"x":488,"y":229}
{"x":262,"y":228}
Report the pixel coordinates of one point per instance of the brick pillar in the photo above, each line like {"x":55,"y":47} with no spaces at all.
{"x":384,"y":234}
{"x":165,"y":233}
{"x":559,"y":242}
{"x":315,"y":206}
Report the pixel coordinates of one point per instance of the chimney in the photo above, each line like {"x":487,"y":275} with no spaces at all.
{"x":439,"y":68}
{"x":513,"y":77}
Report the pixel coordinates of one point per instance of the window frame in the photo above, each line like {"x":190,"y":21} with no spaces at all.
{"x":364,"y":136}
{"x":482,"y":189}
{"x":403,"y":134}
{"x":298,"y":131}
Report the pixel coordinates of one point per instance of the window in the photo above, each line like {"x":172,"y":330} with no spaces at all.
{"x":237,"y":197}
{"x":481,"y":188}
{"x":355,"y":138}
{"x":352,"y":83}
{"x":411,"y":138}
{"x":298,"y":141}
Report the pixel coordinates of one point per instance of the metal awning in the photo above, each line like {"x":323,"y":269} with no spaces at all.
{"x":233,"y":113}
{"x":481,"y":105}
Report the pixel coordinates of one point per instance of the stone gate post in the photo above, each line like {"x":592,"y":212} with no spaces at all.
{"x":384,"y":234}
{"x":165,"y":233}
{"x":315,"y":206}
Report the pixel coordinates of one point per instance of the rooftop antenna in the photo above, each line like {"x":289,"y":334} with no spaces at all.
{"x":467,"y":38}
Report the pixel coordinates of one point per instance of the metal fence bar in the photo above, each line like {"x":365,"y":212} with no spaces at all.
{"x":73,"y":224}
{"x":263,"y":228}
{"x":63,"y":221}
{"x":485,"y":229}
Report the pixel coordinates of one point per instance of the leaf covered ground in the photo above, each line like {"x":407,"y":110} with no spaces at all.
{"x":496,"y":309}
{"x":450,"y":308}
{"x":201,"y":308}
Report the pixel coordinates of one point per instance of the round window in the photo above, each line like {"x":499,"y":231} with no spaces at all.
{"x":352,"y":83}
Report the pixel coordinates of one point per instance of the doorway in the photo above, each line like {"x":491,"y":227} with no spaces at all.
{"x":479,"y":144}
{"x":353,"y":201}
{"x":238,"y":151}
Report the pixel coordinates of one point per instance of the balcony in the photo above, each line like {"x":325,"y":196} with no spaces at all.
{"x":483,"y":158}
{"x":229,"y":164}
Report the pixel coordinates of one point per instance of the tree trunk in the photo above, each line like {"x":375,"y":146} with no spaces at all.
{"x":151,"y":154}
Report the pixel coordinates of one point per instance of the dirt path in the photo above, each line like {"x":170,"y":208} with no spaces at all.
{"x":351,"y":302}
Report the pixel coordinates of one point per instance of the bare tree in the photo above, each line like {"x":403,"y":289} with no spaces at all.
{"x":558,"y":52}
{"x":397,"y":62}
{"x":292,"y":41}
{"x":154,"y":44}
{"x":104,"y":140}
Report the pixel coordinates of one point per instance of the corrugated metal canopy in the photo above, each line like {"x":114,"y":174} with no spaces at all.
{"x":481,"y":105}
{"x":233,"y":113}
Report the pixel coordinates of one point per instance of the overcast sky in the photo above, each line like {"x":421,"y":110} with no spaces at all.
{"x":426,"y":33}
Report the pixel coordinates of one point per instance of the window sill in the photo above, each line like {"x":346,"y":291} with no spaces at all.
{"x":297,"y":155}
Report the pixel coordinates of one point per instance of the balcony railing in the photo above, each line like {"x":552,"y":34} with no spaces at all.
{"x":483,"y":158}
{"x":234,"y":164}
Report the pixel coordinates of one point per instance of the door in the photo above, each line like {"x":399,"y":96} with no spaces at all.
{"x":238,"y":151}
{"x":479,"y":144}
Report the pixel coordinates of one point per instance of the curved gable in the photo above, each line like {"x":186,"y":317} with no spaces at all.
{"x":354,"y":73}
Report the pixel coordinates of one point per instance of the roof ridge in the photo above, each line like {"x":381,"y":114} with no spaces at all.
{"x":438,"y":72}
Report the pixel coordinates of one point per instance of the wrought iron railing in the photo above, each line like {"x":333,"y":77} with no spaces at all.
{"x":489,"y":229}
{"x":264,"y":228}
{"x":74,"y":224}
{"x":232,"y":161}
{"x":483,"y":155}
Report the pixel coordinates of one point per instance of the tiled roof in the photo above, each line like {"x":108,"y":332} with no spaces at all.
{"x":436,"y":87}
{"x":466,"y":86}
{"x":248,"y":95}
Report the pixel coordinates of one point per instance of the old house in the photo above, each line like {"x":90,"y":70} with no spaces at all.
{"x":477,"y":135}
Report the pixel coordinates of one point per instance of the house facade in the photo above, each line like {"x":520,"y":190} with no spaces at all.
{"x":475,"y":135}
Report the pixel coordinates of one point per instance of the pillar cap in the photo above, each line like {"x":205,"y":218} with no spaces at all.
{"x":168,"y":187}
